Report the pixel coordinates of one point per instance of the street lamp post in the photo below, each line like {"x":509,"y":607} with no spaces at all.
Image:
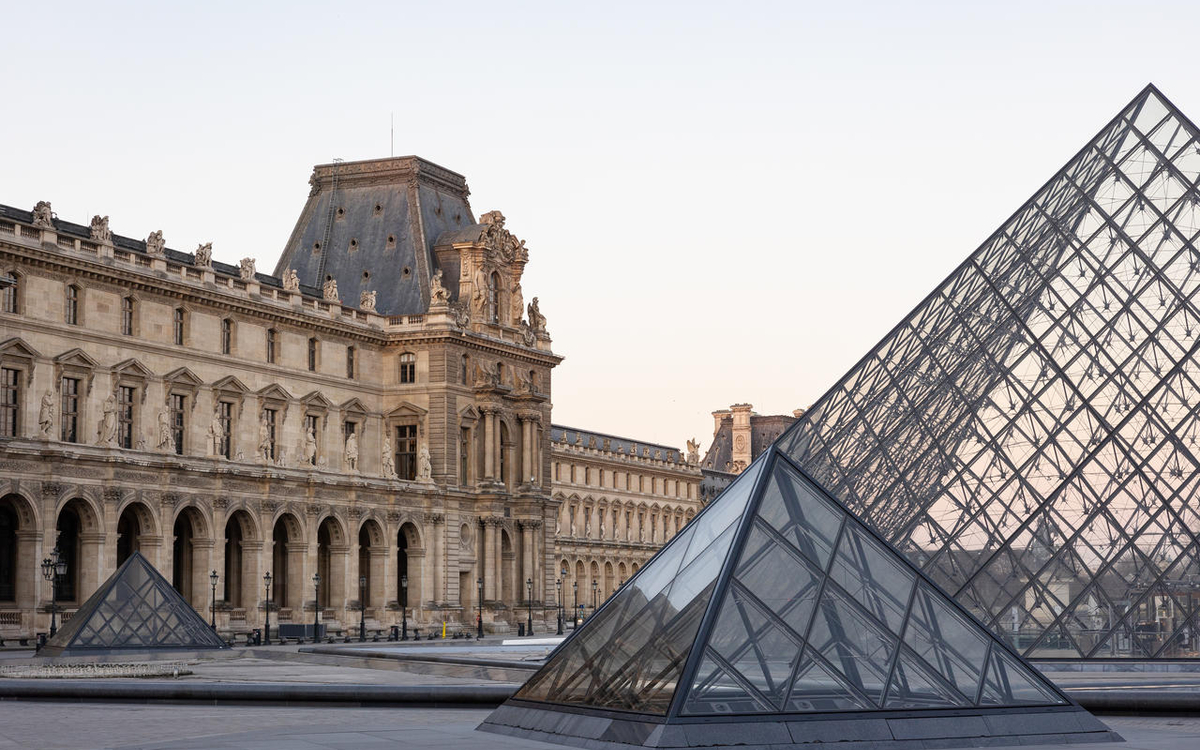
{"x":362,"y":609}
{"x":316,"y":607}
{"x":529,"y":621}
{"x":558,"y":582}
{"x":53,"y":569}
{"x":594,"y":599}
{"x":212,"y":603}
{"x":575,"y":609}
{"x":404,"y":608}
{"x":479,"y":620}
{"x":267,"y":607}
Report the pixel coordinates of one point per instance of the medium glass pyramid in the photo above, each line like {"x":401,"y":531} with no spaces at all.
{"x":1027,"y":436}
{"x":776,"y":603}
{"x":136,"y":609}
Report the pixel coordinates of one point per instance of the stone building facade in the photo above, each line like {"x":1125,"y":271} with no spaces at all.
{"x":376,"y":412}
{"x":618,"y":501}
{"x":739,"y":437}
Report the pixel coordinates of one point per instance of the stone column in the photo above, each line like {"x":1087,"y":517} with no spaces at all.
{"x":435,"y":556}
{"x":252,"y":583}
{"x":526,"y":553}
{"x":490,"y":572}
{"x":489,"y":443}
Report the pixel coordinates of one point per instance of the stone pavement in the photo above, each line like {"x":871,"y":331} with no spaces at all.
{"x":61,"y":726}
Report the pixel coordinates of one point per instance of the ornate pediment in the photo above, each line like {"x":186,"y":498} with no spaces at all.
{"x":16,"y":347}
{"x":132,"y":368}
{"x":406,"y":409}
{"x":230,"y":384}
{"x":316,"y":400}
{"x":502,"y":246}
{"x":353,"y":406}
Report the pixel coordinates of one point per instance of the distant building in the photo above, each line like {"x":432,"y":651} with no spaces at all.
{"x":739,"y":437}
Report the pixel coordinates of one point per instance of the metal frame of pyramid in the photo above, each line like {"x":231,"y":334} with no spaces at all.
{"x":778,"y":617}
{"x":136,"y":609}
{"x":1028,"y":434}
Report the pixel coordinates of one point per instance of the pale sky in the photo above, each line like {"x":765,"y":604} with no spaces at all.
{"x":723,"y":202}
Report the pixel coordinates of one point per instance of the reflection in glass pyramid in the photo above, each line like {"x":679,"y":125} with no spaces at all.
{"x":1027,"y":436}
{"x":776,"y":602}
{"x":136,"y":609}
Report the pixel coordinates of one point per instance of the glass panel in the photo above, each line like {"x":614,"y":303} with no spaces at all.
{"x":873,"y":577}
{"x":858,"y":649}
{"x":913,"y":686}
{"x":716,"y":692}
{"x":818,"y":688}
{"x":1009,"y":684}
{"x":760,"y":652}
{"x":800,"y":514}
{"x":779,"y":579}
{"x":945,"y":640}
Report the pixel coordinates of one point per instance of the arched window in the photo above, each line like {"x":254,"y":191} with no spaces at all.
{"x":408,"y":367}
{"x":494,"y":297}
{"x":10,"y":288}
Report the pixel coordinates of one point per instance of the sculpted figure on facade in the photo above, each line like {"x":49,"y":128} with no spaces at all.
{"x":310,"y":446}
{"x":214,"y":435}
{"x":164,"y":431}
{"x":424,"y":465}
{"x":352,"y":451}
{"x":389,"y":461}
{"x":438,"y":294}
{"x":329,"y":290}
{"x":264,"y":437}
{"x":43,"y":217}
{"x":246,"y":269}
{"x":479,"y":293}
{"x":537,"y":321}
{"x":291,"y":280}
{"x":366,"y":301}
{"x":516,"y":303}
{"x":155,"y":243}
{"x":204,"y":255}
{"x":693,"y":452}
{"x":106,"y":431}
{"x":46,"y":415}
{"x":99,"y":230}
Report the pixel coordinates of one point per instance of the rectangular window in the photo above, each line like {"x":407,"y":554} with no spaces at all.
{"x":178,"y":327}
{"x":408,"y":368}
{"x":350,"y":362}
{"x":127,"y":316}
{"x":226,"y":336}
{"x":271,"y":346}
{"x":312,"y":355}
{"x":406,"y":451}
{"x":72,"y":312}
{"x":125,"y":417}
{"x":464,"y":455}
{"x":10,"y":401}
{"x":225,"y":428}
{"x":271,"y":418}
{"x":70,"y":410}
{"x":8,"y":294}
{"x":177,"y":422}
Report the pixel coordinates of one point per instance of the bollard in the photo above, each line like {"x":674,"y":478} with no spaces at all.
{"x":394,"y":635}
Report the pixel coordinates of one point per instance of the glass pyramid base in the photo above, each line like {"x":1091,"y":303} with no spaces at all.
{"x":599,"y":730}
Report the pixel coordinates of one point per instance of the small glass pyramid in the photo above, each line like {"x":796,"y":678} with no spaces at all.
{"x":136,"y":609}
{"x":777,"y":601}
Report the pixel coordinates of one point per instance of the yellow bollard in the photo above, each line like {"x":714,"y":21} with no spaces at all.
{"x":443,"y":630}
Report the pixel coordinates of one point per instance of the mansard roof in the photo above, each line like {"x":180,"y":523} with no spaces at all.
{"x":627,"y":446}
{"x":371,"y":226}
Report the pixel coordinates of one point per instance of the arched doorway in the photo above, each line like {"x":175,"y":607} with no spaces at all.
{"x":70,"y":524}
{"x":508,"y":570}
{"x":609,"y":584}
{"x":287,"y":562}
{"x":134,"y":526}
{"x":240,"y":577}
{"x":371,"y":558}
{"x":331,"y":562}
{"x":189,"y":563}
{"x":18,"y":571}
{"x":410,"y":557}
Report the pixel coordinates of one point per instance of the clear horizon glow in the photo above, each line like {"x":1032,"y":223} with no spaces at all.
{"x":723,"y":202}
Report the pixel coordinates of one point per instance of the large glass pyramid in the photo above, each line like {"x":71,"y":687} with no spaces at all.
{"x":1028,"y":435}
{"x":775,"y":603}
{"x":136,"y":609}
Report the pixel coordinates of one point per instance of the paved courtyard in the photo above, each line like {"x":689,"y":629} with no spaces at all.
{"x":71,"y":726}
